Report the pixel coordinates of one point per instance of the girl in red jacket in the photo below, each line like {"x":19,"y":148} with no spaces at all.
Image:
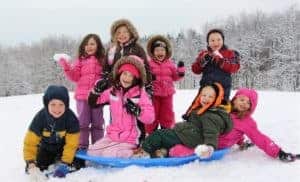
{"x":165,"y":73}
{"x":84,"y":72}
{"x":243,"y":105}
{"x":217,"y":63}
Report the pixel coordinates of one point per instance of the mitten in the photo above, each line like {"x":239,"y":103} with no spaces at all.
{"x":286,"y":157}
{"x":149,"y":89}
{"x":101,"y":85}
{"x":58,"y":57}
{"x":245,"y":145}
{"x":206,"y":59}
{"x":180,"y":68}
{"x":217,"y":53}
{"x":132,"y":108}
{"x":180,"y":64}
{"x":61,"y":170}
{"x":204,"y":151}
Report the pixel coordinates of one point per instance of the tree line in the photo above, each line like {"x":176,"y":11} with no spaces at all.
{"x":269,"y":45}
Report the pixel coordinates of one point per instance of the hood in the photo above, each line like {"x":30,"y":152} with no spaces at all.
{"x":251,"y":94}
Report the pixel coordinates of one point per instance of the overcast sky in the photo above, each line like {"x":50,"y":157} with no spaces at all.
{"x":30,"y":20}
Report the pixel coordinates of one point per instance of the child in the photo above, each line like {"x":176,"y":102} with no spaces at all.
{"x":85,"y":71}
{"x":165,"y":71}
{"x":217,"y":63}
{"x":244,"y":103}
{"x":205,"y":121}
{"x":124,"y":37}
{"x":53,"y":134}
{"x":129,"y":103}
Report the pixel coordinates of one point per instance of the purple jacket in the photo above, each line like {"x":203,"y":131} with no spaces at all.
{"x":84,"y":72}
{"x":165,"y":73}
{"x":123,"y":126}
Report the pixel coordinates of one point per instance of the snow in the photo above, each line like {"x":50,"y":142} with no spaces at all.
{"x":277,"y":116}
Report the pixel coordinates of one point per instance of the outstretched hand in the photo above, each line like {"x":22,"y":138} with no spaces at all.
{"x":287,"y":157}
{"x":58,"y":57}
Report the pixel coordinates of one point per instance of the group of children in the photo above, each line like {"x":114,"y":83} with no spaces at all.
{"x":139,"y":91}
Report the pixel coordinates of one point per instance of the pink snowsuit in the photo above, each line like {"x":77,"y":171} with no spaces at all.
{"x":122,"y":135}
{"x":241,"y":126}
{"x":165,"y":73}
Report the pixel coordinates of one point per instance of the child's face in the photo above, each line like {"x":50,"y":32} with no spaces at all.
{"x":122,"y":35}
{"x":215,"y":41}
{"x":207,"y":95}
{"x":241,"y":104}
{"x":126,"y":79}
{"x":160,"y":53}
{"x":91,"y":47}
{"x":56,"y":108}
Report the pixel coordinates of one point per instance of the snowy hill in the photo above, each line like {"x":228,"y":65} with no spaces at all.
{"x":277,"y":116}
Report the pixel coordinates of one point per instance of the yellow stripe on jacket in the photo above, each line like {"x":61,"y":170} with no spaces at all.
{"x":30,"y":148}
{"x":70,"y":147}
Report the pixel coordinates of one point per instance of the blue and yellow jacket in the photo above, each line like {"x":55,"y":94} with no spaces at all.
{"x":52,"y":134}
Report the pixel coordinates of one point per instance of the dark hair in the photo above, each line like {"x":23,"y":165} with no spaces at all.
{"x":219,"y":31}
{"x":100,"y":52}
{"x":158,"y":43}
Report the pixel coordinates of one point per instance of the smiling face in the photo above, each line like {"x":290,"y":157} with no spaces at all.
{"x":56,"y":108}
{"x":215,"y":41}
{"x":160,"y":53}
{"x":126,"y":79}
{"x":122,"y":35}
{"x":208,"y":95}
{"x":91,"y":47}
{"x":241,"y":104}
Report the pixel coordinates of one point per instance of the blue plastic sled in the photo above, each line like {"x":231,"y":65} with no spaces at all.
{"x":124,"y":162}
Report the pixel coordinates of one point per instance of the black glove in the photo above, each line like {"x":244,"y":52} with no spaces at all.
{"x":245,"y":145}
{"x":286,"y":157}
{"x":149,"y":89}
{"x":207,"y":59}
{"x":101,"y":85}
{"x":185,"y":117}
{"x":180,"y":64}
{"x":132,"y":108}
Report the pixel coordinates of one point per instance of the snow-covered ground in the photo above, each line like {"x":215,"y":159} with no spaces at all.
{"x":277,"y":115}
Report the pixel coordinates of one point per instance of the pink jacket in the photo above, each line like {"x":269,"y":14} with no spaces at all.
{"x":123,"y":126}
{"x":84,"y":72}
{"x":245,"y":126}
{"x":165,"y":73}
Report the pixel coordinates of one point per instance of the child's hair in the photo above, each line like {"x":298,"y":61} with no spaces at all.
{"x":219,"y":31}
{"x":218,"y":100}
{"x":159,"y":41}
{"x":100,"y":52}
{"x":123,"y":22}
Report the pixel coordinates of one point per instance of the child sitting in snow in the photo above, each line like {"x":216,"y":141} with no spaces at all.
{"x":166,"y":73}
{"x":53,"y":134}
{"x":129,"y":104}
{"x":205,"y":121}
{"x":243,"y":105}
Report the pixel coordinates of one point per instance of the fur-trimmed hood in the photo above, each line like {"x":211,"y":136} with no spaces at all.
{"x":155,"y":38}
{"x":136,"y":61}
{"x":128,"y":24}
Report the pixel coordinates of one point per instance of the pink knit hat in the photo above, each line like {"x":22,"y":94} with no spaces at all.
{"x":131,"y":68}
